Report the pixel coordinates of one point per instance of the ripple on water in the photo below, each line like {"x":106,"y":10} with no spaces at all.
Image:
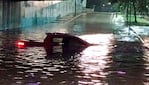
{"x":92,"y":68}
{"x":51,"y":69}
{"x":47,"y":73}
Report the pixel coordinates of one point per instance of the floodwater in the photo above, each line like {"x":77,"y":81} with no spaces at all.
{"x":107,"y":63}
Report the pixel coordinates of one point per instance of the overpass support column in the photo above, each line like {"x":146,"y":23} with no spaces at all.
{"x":1,"y":15}
{"x":11,"y":14}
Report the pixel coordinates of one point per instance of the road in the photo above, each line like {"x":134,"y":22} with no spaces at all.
{"x":103,"y":64}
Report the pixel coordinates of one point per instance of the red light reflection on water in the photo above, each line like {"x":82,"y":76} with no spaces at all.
{"x":95,"y":59}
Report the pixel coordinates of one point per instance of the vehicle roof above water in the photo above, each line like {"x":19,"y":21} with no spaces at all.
{"x":57,"y":34}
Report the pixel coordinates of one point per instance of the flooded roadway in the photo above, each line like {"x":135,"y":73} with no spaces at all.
{"x":102,"y":64}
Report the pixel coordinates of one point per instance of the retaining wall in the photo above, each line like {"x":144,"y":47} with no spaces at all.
{"x":33,"y":15}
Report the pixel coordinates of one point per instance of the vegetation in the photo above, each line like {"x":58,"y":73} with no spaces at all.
{"x":141,"y":21}
{"x":132,"y":7}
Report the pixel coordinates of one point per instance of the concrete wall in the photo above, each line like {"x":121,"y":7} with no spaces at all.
{"x":34,"y":14}
{"x":10,"y":15}
{"x":15,"y":15}
{"x":0,"y":15}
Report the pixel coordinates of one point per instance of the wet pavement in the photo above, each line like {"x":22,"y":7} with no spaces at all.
{"x":111,"y":62}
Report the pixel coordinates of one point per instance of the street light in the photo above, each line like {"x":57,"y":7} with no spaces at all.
{"x":109,"y":3}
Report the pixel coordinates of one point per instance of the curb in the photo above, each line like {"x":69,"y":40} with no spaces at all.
{"x":139,"y":37}
{"x":73,"y":18}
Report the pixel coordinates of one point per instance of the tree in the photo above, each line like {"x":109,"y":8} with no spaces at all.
{"x":135,"y":6}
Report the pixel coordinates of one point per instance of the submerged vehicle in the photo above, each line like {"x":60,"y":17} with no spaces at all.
{"x":57,"y":43}
{"x":62,"y":42}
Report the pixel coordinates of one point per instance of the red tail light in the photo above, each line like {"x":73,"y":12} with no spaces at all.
{"x":20,"y":44}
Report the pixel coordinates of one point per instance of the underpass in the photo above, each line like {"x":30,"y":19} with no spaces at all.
{"x":109,"y":62}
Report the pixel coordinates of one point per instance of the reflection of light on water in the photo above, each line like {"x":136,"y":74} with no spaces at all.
{"x":94,"y":59}
{"x":146,"y":44}
{"x":146,"y":58}
{"x":146,"y":83}
{"x":98,"y":38}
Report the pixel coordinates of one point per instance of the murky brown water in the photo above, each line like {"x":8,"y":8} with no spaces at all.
{"x":96,"y":65}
